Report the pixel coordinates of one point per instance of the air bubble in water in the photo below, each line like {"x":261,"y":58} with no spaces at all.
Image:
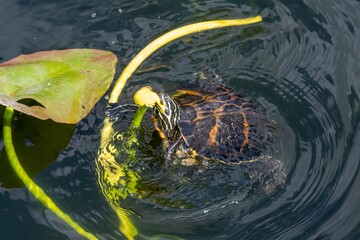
{"x":93,"y":15}
{"x":120,"y":10}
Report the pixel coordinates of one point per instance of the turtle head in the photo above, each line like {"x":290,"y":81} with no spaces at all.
{"x":168,"y":114}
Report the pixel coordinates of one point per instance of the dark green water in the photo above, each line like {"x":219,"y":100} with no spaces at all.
{"x":301,"y":64}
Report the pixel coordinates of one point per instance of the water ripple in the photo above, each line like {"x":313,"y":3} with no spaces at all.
{"x":301,"y":66}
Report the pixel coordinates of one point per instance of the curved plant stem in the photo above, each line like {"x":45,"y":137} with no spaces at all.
{"x":167,"y":38}
{"x":32,"y":186}
{"x":157,"y":44}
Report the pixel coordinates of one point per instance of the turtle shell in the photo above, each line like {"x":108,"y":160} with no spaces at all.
{"x":218,"y":123}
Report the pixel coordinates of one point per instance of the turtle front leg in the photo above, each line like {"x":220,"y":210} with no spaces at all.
{"x":171,"y":148}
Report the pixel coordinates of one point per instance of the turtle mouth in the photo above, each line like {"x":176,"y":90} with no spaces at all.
{"x":159,"y":109}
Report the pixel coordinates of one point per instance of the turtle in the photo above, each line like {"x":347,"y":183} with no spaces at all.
{"x":206,"y":124}
{"x":208,"y":121}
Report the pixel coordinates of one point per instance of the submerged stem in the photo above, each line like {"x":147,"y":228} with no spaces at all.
{"x":31,"y":185}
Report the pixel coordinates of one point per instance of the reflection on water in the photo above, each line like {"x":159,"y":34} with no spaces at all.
{"x":301,"y":65}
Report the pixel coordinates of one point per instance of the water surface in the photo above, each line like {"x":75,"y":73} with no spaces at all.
{"x":301,"y":65}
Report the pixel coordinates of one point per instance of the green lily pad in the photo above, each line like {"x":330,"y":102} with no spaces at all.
{"x":65,"y":84}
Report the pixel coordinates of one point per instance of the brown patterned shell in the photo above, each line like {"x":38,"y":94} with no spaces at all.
{"x":218,"y":123}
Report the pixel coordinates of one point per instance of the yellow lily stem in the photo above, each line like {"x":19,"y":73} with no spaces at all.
{"x":32,"y":186}
{"x":167,"y":38}
{"x":157,"y":44}
{"x":126,"y":227}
